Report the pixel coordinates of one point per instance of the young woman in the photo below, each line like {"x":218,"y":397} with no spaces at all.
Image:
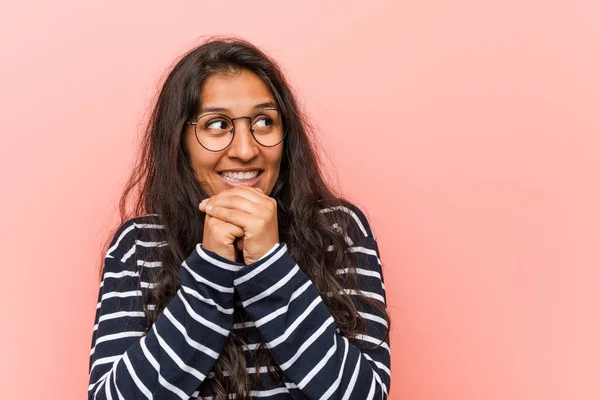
{"x":237,"y":272}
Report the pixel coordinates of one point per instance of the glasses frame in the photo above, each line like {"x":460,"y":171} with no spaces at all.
{"x":232,"y":131}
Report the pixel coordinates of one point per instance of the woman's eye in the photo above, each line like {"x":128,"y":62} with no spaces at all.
{"x":218,"y":124}
{"x":262,"y":122}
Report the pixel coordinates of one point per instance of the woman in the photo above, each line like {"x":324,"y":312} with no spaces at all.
{"x":241,"y":274}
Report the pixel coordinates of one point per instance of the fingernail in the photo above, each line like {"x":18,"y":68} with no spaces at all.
{"x":208,"y":208}
{"x":203,"y":203}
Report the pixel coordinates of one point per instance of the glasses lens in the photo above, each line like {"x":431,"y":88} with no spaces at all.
{"x":214,"y":131}
{"x":268,"y":127}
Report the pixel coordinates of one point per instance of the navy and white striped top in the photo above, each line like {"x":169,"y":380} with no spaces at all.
{"x":271,"y":299}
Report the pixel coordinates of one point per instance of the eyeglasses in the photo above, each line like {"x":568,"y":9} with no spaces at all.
{"x":215,"y":131}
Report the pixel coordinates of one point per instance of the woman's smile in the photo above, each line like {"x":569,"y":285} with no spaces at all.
{"x":236,"y":178}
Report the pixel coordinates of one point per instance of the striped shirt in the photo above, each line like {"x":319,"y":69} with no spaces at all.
{"x":271,"y":300}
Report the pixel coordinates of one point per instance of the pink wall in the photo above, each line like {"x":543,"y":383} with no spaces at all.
{"x":480,"y":128}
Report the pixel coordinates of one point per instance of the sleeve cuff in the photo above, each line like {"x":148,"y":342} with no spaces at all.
{"x":276,"y":269}
{"x":205,"y":265}
{"x":270,"y":251}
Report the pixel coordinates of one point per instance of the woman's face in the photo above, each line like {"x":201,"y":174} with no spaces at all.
{"x":241,"y":94}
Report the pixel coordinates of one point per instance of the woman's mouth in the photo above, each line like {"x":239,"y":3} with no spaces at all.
{"x":249,"y":178}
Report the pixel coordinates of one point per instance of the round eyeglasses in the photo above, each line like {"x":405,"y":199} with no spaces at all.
{"x":215,"y":131}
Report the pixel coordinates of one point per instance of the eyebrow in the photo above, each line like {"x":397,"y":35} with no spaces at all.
{"x":267,"y":104}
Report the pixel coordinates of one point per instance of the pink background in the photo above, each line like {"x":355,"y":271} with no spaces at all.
{"x":468,"y":130}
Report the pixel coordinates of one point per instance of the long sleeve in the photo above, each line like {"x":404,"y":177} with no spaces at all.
{"x":173,"y":357}
{"x":301,"y":334}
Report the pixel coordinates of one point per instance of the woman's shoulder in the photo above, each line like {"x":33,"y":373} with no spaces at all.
{"x":135,"y":235}
{"x":346,"y":213}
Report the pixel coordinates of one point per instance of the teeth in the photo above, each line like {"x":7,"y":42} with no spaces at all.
{"x":240,"y":176}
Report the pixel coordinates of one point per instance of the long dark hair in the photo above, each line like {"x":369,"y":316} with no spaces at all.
{"x":162,"y":182}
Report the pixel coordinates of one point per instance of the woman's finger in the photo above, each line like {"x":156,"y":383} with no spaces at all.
{"x":233,"y":201}
{"x":258,"y":196}
{"x":253,"y":195}
{"x":249,"y":192}
{"x":219,"y":227}
{"x":232,"y":216}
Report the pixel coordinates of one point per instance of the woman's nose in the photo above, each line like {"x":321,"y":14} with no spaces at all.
{"x":243,"y":145}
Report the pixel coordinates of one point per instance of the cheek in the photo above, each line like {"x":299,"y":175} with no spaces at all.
{"x":274,"y":156}
{"x":204,"y":171}
{"x":206,"y":177}
{"x":202,"y":162}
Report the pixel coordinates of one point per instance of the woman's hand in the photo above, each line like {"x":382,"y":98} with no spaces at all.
{"x":220,"y":236}
{"x":250,"y":210}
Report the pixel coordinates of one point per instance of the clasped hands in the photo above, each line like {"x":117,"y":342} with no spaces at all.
{"x":242,"y":213}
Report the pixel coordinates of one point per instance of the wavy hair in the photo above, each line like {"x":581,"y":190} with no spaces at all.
{"x":162,"y":182}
